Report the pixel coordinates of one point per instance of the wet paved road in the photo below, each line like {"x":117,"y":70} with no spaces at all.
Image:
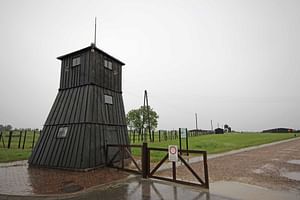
{"x":264,"y":166}
{"x":149,"y":189}
{"x":16,"y":178}
{"x":137,"y":188}
{"x":134,"y":188}
{"x":275,"y":167}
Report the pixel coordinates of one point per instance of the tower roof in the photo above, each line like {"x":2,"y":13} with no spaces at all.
{"x":92,"y":46}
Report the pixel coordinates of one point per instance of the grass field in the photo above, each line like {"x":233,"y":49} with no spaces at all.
{"x":211,"y":143}
{"x":15,"y":153}
{"x":8,"y":155}
{"x":220,"y":143}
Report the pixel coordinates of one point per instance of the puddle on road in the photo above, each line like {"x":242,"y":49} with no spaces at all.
{"x":17,"y":178}
{"x":237,"y":190}
{"x":258,"y":171}
{"x":265,"y":169}
{"x":297,"y":162}
{"x":275,"y":159}
{"x":292,"y":175}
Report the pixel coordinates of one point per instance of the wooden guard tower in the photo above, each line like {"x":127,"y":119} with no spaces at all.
{"x":87,"y":114}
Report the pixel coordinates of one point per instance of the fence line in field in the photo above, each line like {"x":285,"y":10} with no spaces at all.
{"x":161,"y":135}
{"x":18,"y":139}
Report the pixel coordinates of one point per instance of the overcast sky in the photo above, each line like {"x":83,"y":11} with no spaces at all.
{"x":233,"y":61}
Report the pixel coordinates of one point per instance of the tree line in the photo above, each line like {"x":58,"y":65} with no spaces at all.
{"x":5,"y":127}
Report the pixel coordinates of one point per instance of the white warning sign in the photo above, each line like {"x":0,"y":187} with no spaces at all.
{"x":173,"y":153}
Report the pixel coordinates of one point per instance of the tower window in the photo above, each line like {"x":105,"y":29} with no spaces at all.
{"x":75,"y":61}
{"x":108,"y":99}
{"x":66,"y":65}
{"x":108,"y":64}
{"x":62,"y":132}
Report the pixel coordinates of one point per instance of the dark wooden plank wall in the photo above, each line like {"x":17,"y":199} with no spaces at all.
{"x":91,"y":71}
{"x":80,"y":106}
{"x":86,"y":105}
{"x":76,"y":152}
{"x":87,"y":117}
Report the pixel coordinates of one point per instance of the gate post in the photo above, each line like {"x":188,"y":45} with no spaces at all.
{"x":174,"y":170}
{"x":145,"y":159}
{"x":205,"y":170}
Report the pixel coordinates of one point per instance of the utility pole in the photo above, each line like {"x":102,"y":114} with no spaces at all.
{"x":146,"y":105}
{"x":211,"y":125}
{"x":196,"y":121}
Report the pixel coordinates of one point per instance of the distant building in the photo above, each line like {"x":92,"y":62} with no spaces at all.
{"x":200,"y":132}
{"x":279,"y":130}
{"x":219,"y":131}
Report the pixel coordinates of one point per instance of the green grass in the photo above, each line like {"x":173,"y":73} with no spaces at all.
{"x":210,"y":143}
{"x":8,"y":155}
{"x":15,"y":153}
{"x":219,"y":143}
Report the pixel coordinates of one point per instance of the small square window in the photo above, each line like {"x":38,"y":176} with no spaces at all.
{"x":66,"y":65}
{"x":75,"y":61}
{"x":62,"y":132}
{"x":108,"y":64}
{"x":108,"y":99}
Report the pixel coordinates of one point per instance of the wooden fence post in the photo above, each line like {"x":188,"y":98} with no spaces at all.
{"x":1,"y":137}
{"x":9,"y":139}
{"x":33,"y":139}
{"x":150,"y":136}
{"x":153,"y":136}
{"x":133,"y":136}
{"x":24,"y":139}
{"x":20,"y":138}
{"x":166,"y":135}
{"x":159,"y":135}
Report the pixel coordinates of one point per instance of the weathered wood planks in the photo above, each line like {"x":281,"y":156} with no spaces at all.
{"x":80,"y":106}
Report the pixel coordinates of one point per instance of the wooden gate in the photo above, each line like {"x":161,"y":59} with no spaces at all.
{"x":143,"y":165}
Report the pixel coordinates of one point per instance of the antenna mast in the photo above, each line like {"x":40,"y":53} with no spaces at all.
{"x":95,"y":31}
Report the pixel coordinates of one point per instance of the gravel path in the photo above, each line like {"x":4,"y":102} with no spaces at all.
{"x":264,"y":167}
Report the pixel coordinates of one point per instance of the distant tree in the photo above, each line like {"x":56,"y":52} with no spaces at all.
{"x":5,"y":127}
{"x":8,"y":127}
{"x":134,"y":118}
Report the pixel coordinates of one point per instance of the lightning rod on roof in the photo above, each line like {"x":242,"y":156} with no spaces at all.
{"x":95,"y":31}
